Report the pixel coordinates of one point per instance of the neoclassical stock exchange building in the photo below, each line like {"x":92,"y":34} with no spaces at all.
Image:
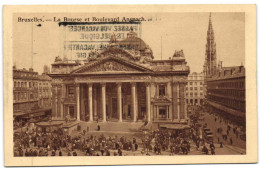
{"x":121,"y":83}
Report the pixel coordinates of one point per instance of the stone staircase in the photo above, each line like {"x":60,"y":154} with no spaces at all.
{"x":113,"y":126}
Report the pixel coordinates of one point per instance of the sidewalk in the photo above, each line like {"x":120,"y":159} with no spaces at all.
{"x":236,"y":149}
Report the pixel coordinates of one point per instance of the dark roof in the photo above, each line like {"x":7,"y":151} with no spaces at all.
{"x":229,"y":73}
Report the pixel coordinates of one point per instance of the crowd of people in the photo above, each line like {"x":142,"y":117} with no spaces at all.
{"x":156,"y":142}
{"x":53,"y":144}
{"x":150,"y":142}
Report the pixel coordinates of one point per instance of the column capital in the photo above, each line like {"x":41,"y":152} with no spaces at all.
{"x":152,"y":83}
{"x":77,"y":84}
{"x":103,"y":84}
{"x":147,"y":84}
{"x":119,"y":83}
{"x":133,"y":84}
{"x":89,"y":84}
{"x":175,"y":82}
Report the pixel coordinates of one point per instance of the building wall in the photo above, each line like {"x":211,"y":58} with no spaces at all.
{"x":194,"y":91}
{"x":30,"y":90}
{"x":25,"y":89}
{"x":44,"y":91}
{"x":226,"y":93}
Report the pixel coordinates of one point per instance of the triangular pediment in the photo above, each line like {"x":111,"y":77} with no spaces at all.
{"x":162,"y":99}
{"x":111,"y":65}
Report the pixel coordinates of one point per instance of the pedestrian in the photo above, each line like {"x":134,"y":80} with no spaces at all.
{"x":108,"y":153}
{"x":136,"y":146}
{"x":53,"y":153}
{"x":205,"y":150}
{"x":231,"y":141}
{"x":134,"y":140}
{"x":102,"y":151}
{"x":120,"y":152}
{"x":26,"y":153}
{"x":212,"y":151}
{"x":221,"y":144}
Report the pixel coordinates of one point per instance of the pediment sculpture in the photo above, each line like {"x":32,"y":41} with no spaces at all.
{"x":111,"y":66}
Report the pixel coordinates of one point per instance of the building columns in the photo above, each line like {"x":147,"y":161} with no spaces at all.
{"x":78,"y":105}
{"x":133,"y":101}
{"x":178,"y":100}
{"x":90,"y":102}
{"x":119,"y":101}
{"x":148,"y":102}
{"x":62,"y":98}
{"x":183,"y":101}
{"x":103,"y":91}
{"x":56,"y":101}
{"x":95,"y":102}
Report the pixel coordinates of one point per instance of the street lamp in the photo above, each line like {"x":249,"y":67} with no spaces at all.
{"x":147,"y":141}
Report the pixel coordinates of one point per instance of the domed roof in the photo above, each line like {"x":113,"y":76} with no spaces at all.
{"x":133,"y":42}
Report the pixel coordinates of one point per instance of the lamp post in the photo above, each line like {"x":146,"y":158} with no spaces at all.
{"x":147,"y":141}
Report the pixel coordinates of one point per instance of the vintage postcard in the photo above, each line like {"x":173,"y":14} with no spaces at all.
{"x":132,"y":84}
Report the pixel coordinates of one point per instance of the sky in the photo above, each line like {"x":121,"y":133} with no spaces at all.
{"x":166,"y":33}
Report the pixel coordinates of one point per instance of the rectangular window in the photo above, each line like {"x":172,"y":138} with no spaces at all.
{"x":162,"y":112}
{"x":191,"y":88}
{"x":162,"y":90}
{"x":190,"y":83}
{"x":71,"y":91}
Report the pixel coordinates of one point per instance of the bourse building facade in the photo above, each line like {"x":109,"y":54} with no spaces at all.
{"x":121,"y":83}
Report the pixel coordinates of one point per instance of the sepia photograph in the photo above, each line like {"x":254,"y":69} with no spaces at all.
{"x":146,"y":84}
